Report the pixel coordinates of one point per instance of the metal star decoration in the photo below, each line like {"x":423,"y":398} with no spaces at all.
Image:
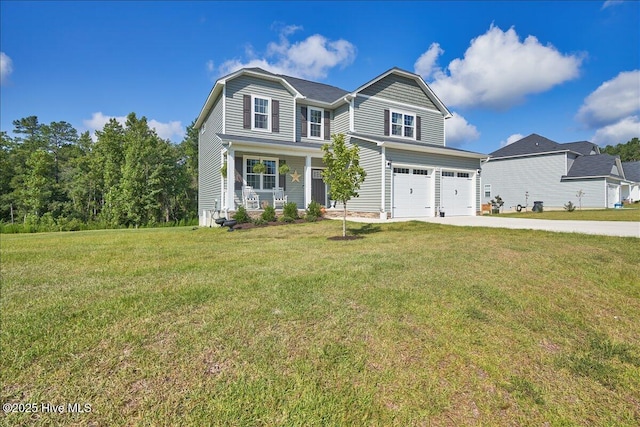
{"x":295,"y":176}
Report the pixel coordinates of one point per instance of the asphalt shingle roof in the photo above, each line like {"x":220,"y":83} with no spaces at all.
{"x":631,"y":171}
{"x":531,"y":144}
{"x":594,"y":165}
{"x":316,"y":91}
{"x":583,"y":147}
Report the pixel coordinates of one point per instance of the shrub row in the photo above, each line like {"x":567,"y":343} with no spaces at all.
{"x":289,"y":214}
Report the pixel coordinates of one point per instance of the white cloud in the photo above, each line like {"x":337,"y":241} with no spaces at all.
{"x":459,"y":131}
{"x":168,"y":130}
{"x":210,"y":66}
{"x":615,"y":99}
{"x":610,"y":3}
{"x":619,"y":132}
{"x":6,"y":67}
{"x":426,"y":64}
{"x":511,"y":139}
{"x":499,"y":71}
{"x":164,"y":130}
{"x":310,"y":58}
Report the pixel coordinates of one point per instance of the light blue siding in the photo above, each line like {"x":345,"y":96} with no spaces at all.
{"x":209,"y":148}
{"x":369,"y":119}
{"x":246,"y":85}
{"x":541,"y":177}
{"x":400,"y":89}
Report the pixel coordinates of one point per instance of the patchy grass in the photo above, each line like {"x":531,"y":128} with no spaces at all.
{"x":628,"y":213}
{"x":411,"y":324}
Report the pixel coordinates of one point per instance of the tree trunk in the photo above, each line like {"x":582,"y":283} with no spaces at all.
{"x":344,"y":219}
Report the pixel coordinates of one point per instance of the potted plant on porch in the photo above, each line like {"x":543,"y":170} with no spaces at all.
{"x":259,"y":168}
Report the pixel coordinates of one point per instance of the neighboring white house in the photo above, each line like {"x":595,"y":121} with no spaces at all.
{"x":254,"y":116}
{"x":631,"y":189}
{"x":539,"y":169}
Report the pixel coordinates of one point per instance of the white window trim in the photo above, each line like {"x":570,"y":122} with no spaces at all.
{"x":259,"y":159}
{"x":484,"y":190}
{"x":404,"y":113}
{"x":309,"y":123}
{"x":253,"y":113}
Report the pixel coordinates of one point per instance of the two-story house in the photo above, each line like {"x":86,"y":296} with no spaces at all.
{"x":253,"y":116}
{"x":537,"y":168}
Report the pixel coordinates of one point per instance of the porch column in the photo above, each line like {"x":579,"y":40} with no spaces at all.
{"x":307,"y":182}
{"x":231,"y":173}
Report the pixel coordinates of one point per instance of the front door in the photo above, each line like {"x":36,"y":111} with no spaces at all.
{"x":318,"y":187}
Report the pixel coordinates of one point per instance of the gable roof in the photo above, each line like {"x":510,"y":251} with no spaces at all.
{"x":596,"y":165}
{"x":632,"y":171}
{"x":316,"y":91}
{"x":583,"y":147}
{"x":423,"y":85}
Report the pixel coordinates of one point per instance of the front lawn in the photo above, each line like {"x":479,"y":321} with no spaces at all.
{"x":411,"y":324}
{"x":628,"y":213}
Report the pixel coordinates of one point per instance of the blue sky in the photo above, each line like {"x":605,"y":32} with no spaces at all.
{"x":566,"y":70}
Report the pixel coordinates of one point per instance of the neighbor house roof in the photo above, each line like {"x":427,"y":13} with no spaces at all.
{"x":597,"y":165}
{"x":536,"y":144}
{"x":631,"y":171}
{"x":583,"y":147}
{"x":532,"y":144}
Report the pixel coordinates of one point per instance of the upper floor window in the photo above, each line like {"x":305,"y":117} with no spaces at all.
{"x":315,"y":123}
{"x":260,"y":113}
{"x":403,"y":124}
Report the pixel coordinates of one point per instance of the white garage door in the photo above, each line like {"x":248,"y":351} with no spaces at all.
{"x":412,"y":193}
{"x":456,"y":193}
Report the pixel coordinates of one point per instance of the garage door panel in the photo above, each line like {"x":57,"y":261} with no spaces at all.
{"x":456,"y":193}
{"x":412,"y":193}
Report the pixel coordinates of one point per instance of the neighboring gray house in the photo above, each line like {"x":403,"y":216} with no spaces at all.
{"x":536,"y":168}
{"x":254,"y":116}
{"x":631,"y":190}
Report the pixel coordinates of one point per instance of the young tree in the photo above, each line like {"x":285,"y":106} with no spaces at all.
{"x":343,"y":172}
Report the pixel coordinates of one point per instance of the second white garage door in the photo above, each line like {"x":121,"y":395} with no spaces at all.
{"x":456,"y":193}
{"x":412,"y":196}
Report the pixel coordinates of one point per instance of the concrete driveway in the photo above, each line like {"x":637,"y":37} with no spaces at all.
{"x":606,"y":228}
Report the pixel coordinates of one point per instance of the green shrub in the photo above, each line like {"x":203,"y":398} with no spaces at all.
{"x":241,"y":215}
{"x":260,"y":221}
{"x":314,"y":209}
{"x":290,"y":209}
{"x":286,"y":219}
{"x":269,"y":214}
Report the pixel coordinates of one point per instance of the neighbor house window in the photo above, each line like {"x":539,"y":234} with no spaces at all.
{"x":487,"y":190}
{"x":403,"y":124}
{"x":261,"y":181}
{"x":260,"y":113}
{"x":315,"y":123}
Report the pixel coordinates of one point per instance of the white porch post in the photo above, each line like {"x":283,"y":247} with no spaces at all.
{"x":231,"y":172}
{"x":307,"y":181}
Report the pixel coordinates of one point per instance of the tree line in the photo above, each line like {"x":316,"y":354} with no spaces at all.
{"x":52,"y":178}
{"x":628,"y":152}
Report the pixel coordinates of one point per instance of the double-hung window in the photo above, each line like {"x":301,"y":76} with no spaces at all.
{"x":260,"y":117}
{"x":315,"y":123}
{"x":261,"y":181}
{"x":403,"y":124}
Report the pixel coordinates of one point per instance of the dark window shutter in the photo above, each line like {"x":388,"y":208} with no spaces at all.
{"x":239,"y":173}
{"x":386,"y":122}
{"x":327,"y":125}
{"x":418,"y":128}
{"x":303,"y":121}
{"x":246,"y":111}
{"x":275,"y":116}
